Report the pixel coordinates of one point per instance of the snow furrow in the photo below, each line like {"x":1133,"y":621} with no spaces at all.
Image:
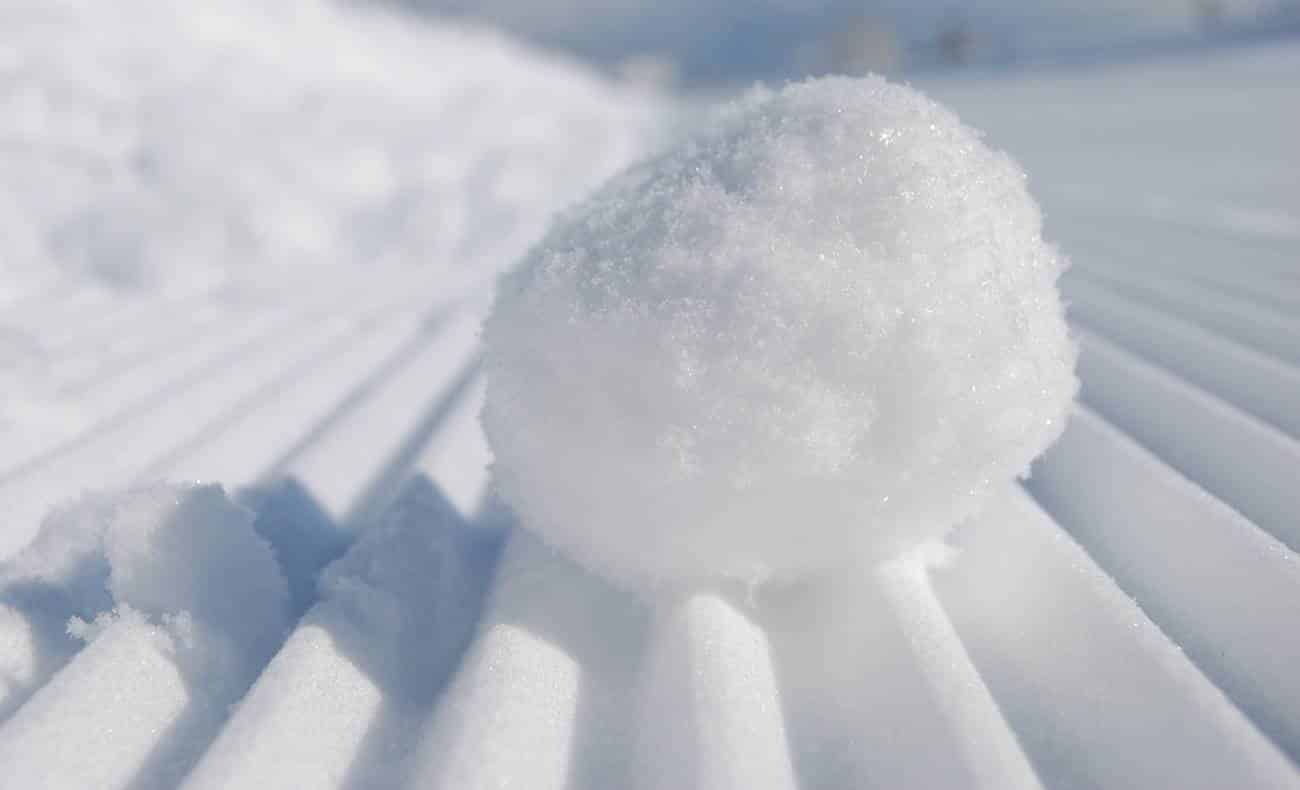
{"x":353,"y":682}
{"x":1268,"y":330}
{"x":249,"y":437}
{"x":130,"y":679}
{"x":1256,"y":383}
{"x":1098,"y":694}
{"x":162,"y":667}
{"x":1227,"y":592}
{"x":241,"y":451}
{"x":125,"y":446}
{"x":458,"y":455}
{"x":269,"y":396}
{"x":543,"y":698}
{"x":337,"y":458}
{"x":385,"y":482}
{"x":1265,"y":254}
{"x":710,"y":699}
{"x":33,"y":646}
{"x":137,"y":318}
{"x":1246,"y":463}
{"x":878,"y":689}
{"x":131,"y":396}
{"x":74,"y":375}
{"x":1096,"y":248}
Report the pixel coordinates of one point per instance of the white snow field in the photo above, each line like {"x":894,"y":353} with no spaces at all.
{"x":249,"y":248}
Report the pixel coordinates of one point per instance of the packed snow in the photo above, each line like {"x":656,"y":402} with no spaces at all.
{"x":814,"y":334}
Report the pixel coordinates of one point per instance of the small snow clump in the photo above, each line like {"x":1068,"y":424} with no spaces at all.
{"x":817,"y":333}
{"x":189,"y":549}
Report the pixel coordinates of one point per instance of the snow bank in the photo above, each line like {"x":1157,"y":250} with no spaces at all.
{"x":153,"y":145}
{"x":815,"y":334}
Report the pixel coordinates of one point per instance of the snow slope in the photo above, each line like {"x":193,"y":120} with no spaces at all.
{"x":1128,"y":621}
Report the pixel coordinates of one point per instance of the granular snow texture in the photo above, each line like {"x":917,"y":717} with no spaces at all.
{"x":814,"y":334}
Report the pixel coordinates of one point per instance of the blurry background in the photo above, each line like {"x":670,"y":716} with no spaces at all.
{"x":709,"y":42}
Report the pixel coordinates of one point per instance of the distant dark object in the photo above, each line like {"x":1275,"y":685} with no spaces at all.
{"x":859,"y":46}
{"x":956,"y":42}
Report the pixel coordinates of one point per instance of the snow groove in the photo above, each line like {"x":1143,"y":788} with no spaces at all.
{"x":1263,"y":386}
{"x":545,"y":692}
{"x":1100,"y":697}
{"x":710,"y":699}
{"x":396,"y":612}
{"x":133,"y":396}
{"x":1246,"y":463}
{"x":115,"y":451}
{"x":1196,"y":259}
{"x":1194,"y":564}
{"x":1270,"y":331}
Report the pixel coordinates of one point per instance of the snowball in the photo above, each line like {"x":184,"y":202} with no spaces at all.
{"x":817,"y":333}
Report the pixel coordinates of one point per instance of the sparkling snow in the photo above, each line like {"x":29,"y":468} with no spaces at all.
{"x":814,"y":334}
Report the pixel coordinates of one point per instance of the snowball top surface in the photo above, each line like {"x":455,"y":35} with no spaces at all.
{"x":818,"y":332}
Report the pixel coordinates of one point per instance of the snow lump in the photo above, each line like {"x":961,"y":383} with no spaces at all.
{"x":816,"y":333}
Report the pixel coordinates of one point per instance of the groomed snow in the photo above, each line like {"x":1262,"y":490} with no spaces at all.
{"x":814,"y":334}
{"x":1136,"y":631}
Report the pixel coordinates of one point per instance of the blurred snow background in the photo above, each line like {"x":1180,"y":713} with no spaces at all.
{"x":720,"y":41}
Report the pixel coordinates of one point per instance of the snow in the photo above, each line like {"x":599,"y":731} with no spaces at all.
{"x":812,"y":335}
{"x":173,"y":549}
{"x":394,"y":615}
{"x":347,"y":623}
{"x":706,"y":699}
{"x":154,"y":146}
{"x":1099,"y":695}
{"x":236,"y":193}
{"x":199,"y":605}
{"x":1194,"y":563}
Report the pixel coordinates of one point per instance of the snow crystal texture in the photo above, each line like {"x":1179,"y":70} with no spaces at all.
{"x":815,"y":333}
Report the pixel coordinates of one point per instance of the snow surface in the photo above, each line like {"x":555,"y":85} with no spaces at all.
{"x":1132,"y":627}
{"x":812,"y":335}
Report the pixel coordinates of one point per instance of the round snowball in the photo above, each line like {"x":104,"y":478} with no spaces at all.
{"x":819,"y":332}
